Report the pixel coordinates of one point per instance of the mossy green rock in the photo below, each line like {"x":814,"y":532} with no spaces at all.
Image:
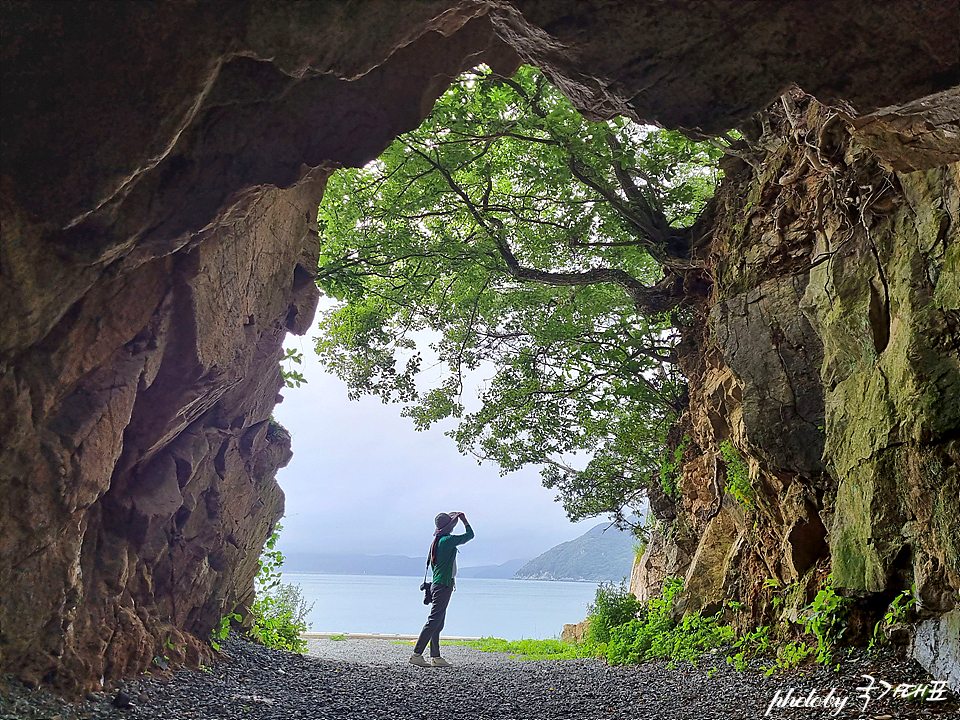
{"x":886,"y":309}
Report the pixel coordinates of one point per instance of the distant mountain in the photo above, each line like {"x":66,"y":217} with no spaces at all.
{"x":504,"y":571}
{"x":595,"y":556}
{"x":385,"y":565}
{"x":354,"y":564}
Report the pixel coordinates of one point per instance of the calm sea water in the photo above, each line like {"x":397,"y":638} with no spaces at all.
{"x":510,"y":609}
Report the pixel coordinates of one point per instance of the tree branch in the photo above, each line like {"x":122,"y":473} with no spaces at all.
{"x":650,"y":301}
{"x":633,"y":193}
{"x":652,"y":238}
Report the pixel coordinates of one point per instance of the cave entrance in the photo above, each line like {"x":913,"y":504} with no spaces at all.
{"x":513,"y":275}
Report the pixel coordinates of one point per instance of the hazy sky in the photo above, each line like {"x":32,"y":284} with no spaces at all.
{"x":363,"y":480}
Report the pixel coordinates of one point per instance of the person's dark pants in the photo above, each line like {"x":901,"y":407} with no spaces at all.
{"x":438,"y":613}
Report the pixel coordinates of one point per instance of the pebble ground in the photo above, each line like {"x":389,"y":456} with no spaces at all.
{"x":371,"y":680}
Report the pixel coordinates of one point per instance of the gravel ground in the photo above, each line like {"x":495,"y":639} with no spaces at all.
{"x":396,"y":652}
{"x":371,"y":680}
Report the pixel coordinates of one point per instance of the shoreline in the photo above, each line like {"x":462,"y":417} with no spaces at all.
{"x":464,"y":577}
{"x":373,"y":636}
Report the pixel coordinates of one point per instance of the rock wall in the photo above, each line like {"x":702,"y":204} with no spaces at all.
{"x":161,"y":165}
{"x":828,"y":360}
{"x":161,"y":180}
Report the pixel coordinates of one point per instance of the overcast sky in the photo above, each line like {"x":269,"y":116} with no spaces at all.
{"x":363,"y":480}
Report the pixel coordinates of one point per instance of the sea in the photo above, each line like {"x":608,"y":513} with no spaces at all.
{"x":480,"y":607}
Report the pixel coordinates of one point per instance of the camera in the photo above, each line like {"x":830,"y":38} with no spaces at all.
{"x":427,"y":593}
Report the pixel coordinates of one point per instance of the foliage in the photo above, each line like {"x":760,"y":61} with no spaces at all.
{"x":268,"y":569}
{"x":655,"y":634}
{"x":613,"y":606}
{"x":750,"y":645}
{"x":521,"y":241}
{"x":670,"y":467}
{"x":638,"y":641}
{"x":338,"y":638}
{"x":899,"y":610}
{"x":901,"y":607}
{"x":223,"y":629}
{"x":279,"y":610}
{"x":624,"y":631}
{"x":780,"y":592}
{"x":639,"y":548}
{"x":760,"y":643}
{"x":826,"y":620}
{"x":163,"y":661}
{"x":280,"y":618}
{"x":789,"y":656}
{"x":292,"y":377}
{"x":738,"y":476}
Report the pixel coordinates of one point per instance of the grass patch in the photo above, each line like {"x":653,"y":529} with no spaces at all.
{"x":337,"y":637}
{"x":551,"y":649}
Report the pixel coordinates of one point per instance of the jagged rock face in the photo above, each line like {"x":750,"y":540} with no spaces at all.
{"x":152,"y":269}
{"x":893,"y":387}
{"x":782,"y":403}
{"x":710,"y":64}
{"x":138,"y":470}
{"x":831,"y":362}
{"x":162,"y":163}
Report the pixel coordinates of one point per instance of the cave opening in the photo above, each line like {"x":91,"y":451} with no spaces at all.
{"x":161,"y":167}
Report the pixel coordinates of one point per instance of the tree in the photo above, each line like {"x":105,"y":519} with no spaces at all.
{"x":544,"y":249}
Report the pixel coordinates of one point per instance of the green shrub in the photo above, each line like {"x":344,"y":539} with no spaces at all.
{"x":670,"y":465}
{"x":789,"y":656}
{"x":655,"y":634}
{"x":279,"y":612}
{"x":223,"y":630}
{"x":898,"y":612}
{"x":613,"y":605}
{"x":632,"y":641}
{"x":639,"y":547}
{"x":279,"y":618}
{"x":826,"y":620}
{"x":750,"y":645}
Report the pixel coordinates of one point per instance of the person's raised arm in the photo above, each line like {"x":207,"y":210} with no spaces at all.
{"x":468,"y":535}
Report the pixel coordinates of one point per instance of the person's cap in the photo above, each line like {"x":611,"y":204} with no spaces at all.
{"x":443,"y":520}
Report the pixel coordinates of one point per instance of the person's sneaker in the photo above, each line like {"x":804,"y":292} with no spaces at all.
{"x":440,"y":662}
{"x":418,"y":660}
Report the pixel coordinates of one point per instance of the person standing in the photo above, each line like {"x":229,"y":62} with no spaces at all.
{"x":443,"y":559}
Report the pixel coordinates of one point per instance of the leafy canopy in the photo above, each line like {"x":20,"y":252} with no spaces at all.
{"x":536,"y":248}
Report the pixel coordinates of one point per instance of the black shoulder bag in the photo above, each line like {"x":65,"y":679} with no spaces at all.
{"x":426,"y":587}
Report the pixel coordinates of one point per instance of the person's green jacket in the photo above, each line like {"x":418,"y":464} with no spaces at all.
{"x":446,"y":561}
